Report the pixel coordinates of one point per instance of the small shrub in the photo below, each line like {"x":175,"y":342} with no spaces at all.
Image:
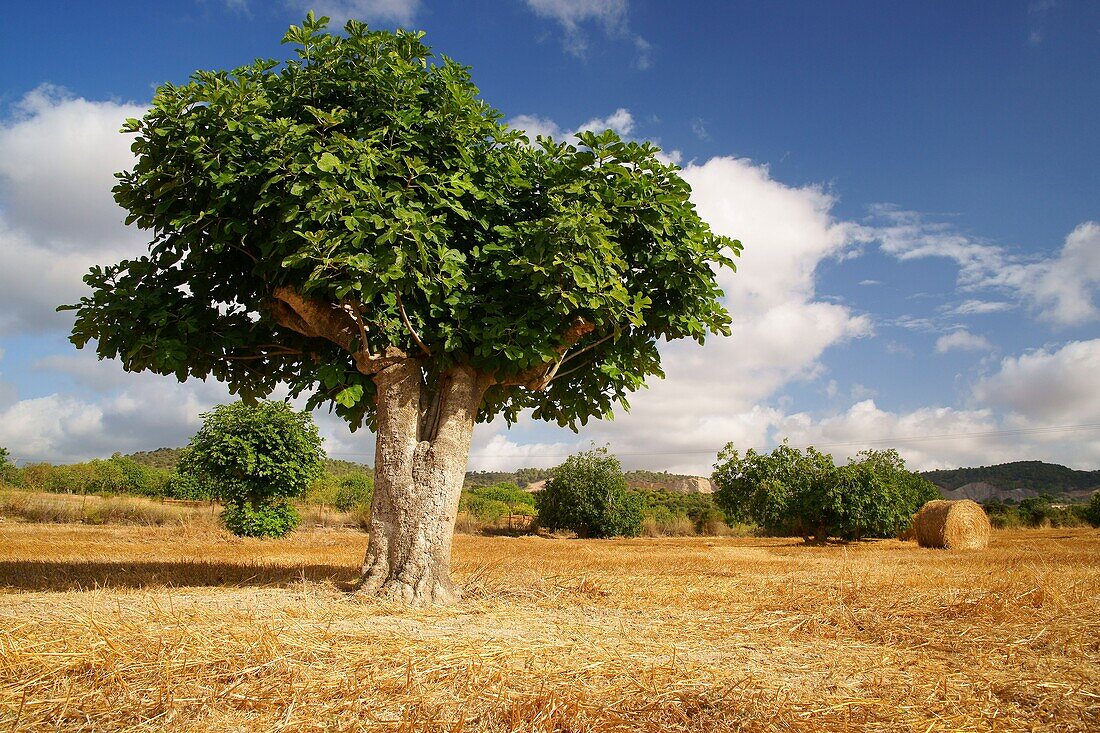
{"x":355,"y":492}
{"x":266,"y":520}
{"x":257,"y":457}
{"x":588,"y":495}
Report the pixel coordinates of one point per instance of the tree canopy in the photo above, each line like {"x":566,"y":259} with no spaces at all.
{"x":316,"y":219}
{"x":255,"y":458}
{"x":588,"y":495}
{"x":792,"y":492}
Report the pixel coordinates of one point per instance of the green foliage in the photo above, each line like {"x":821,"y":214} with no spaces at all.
{"x":189,"y":488}
{"x":484,"y":510}
{"x":355,"y":492}
{"x":9,"y":474}
{"x":505,"y":492}
{"x":116,"y":475}
{"x":666,"y":506}
{"x":255,"y":457}
{"x":1027,"y":475}
{"x":491,"y":503}
{"x":275,"y":519}
{"x":588,"y":495}
{"x":1037,"y":511}
{"x":1091,"y":513}
{"x":790,"y":492}
{"x":367,"y":172}
{"x":159,"y":458}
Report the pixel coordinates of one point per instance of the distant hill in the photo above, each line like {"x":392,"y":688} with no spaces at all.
{"x":1017,"y":480}
{"x":159,"y":458}
{"x":169,"y":457}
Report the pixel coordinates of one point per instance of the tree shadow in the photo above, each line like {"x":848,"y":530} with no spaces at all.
{"x":69,"y":575}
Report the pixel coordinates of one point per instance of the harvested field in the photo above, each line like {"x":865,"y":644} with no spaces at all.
{"x":163,"y":628}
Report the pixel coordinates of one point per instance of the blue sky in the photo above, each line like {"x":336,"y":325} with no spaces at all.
{"x":917,"y":186}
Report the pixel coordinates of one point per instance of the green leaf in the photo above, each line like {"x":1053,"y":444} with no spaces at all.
{"x":328,"y":162}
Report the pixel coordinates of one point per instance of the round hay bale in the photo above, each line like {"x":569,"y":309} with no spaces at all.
{"x":954,"y":525}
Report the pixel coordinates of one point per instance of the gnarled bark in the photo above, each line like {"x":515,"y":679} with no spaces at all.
{"x":424,"y":434}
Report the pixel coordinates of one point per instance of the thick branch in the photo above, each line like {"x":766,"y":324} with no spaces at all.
{"x":316,"y":318}
{"x":538,"y":377}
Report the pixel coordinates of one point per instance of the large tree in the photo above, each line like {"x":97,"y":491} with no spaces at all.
{"x":357,"y":224}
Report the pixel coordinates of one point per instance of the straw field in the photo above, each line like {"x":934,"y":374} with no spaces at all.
{"x":188,"y":629}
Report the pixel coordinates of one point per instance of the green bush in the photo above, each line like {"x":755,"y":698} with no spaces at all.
{"x":790,"y":492}
{"x":188,"y":487}
{"x":355,"y":492}
{"x":508,"y":493}
{"x":275,"y":519}
{"x":256,"y":458}
{"x":1091,"y":513}
{"x":588,"y":495}
{"x":484,"y":510}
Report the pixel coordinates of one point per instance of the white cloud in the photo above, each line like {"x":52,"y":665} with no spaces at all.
{"x":1064,"y":289}
{"x":610,"y":14}
{"x":699,"y":129}
{"x":962,"y":340}
{"x":1060,"y":290}
{"x":1058,"y":387}
{"x":151,"y":412}
{"x":402,"y":12}
{"x":974,"y":307}
{"x":620,"y":121}
{"x":58,"y":156}
{"x":536,"y":126}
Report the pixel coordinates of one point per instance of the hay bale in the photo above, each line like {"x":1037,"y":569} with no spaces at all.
{"x":954,"y":525}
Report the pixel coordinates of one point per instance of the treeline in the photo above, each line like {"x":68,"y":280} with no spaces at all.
{"x":1049,"y":478}
{"x":1043,"y":511}
{"x":343,"y":486}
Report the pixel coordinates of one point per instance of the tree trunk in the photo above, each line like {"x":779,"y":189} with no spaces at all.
{"x":424,"y":434}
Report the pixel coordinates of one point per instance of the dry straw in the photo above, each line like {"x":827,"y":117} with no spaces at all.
{"x":954,"y":525}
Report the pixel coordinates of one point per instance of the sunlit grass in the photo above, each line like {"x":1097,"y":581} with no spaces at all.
{"x":188,"y":629}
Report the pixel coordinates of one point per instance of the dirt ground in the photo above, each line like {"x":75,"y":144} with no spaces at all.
{"x":188,"y":629}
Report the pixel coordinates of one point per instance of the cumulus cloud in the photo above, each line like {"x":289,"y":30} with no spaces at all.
{"x":781,"y":327}
{"x":620,"y":121}
{"x":611,"y":15}
{"x":962,"y":340}
{"x":1052,"y":387}
{"x":150,"y":412}
{"x":1060,"y":290}
{"x":402,"y":12}
{"x":58,"y":156}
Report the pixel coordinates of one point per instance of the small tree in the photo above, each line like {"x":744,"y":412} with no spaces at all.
{"x":790,"y":492}
{"x":256,"y":458}
{"x":1092,"y":510}
{"x":7,"y":468}
{"x":588,"y":495}
{"x":355,"y":492}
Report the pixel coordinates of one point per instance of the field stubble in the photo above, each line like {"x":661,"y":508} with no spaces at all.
{"x":169,"y":628}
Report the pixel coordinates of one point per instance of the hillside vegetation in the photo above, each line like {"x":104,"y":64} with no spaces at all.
{"x":1027,"y":476}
